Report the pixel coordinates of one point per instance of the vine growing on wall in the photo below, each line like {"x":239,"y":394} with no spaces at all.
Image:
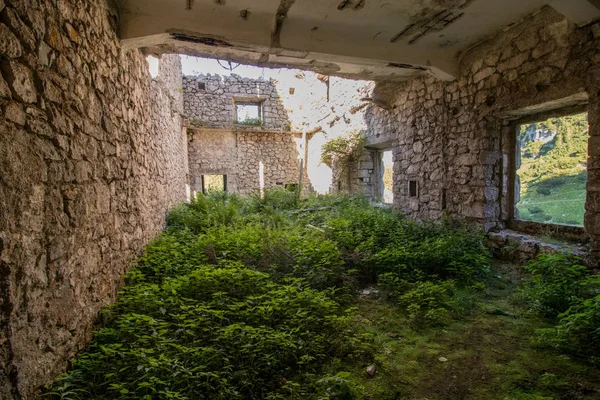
{"x":342,"y":149}
{"x":341,"y":152}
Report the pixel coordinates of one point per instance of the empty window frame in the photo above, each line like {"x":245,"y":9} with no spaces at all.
{"x":214,"y":183}
{"x":201,"y":85}
{"x":551,"y":170}
{"x":248,"y":113}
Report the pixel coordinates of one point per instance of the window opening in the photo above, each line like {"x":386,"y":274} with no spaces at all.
{"x":248,"y":113}
{"x":153,"y":64}
{"x":551,"y":170}
{"x":413,"y":188}
{"x":201,"y":85}
{"x":214,"y":183}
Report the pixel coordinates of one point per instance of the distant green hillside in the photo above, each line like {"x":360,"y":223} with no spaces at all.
{"x":553,"y":170}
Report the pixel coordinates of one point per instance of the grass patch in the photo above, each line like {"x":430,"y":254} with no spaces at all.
{"x":489,"y":353}
{"x":556,"y":200}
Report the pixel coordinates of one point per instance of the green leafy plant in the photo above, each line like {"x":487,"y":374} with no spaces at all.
{"x":343,"y":148}
{"x":577,"y":332}
{"x":557,"y":282}
{"x":251,"y":297}
{"x":426,"y":302}
{"x":250,"y":122}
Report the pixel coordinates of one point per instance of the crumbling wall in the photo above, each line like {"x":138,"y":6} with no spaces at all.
{"x":238,"y":154}
{"x":91,"y":157}
{"x":453,"y":137}
{"x":214,"y":107}
{"x":325,"y":107}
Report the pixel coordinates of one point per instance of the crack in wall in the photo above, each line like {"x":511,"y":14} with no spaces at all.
{"x":207,"y":40}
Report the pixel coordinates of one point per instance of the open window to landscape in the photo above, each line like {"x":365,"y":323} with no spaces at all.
{"x":214,"y":183}
{"x":551,"y":170}
{"x":248,"y":113}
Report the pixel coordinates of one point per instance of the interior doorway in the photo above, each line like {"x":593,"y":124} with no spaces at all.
{"x":385,"y":184}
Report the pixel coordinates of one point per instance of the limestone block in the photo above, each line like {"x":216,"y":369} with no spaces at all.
{"x":14,"y":112}
{"x":15,"y":23}
{"x":20,"y":80}
{"x":513,"y":62}
{"x":484,"y":73}
{"x":527,"y":40}
{"x":10,"y":47}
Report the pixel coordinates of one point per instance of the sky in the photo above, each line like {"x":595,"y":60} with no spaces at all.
{"x":196,"y":65}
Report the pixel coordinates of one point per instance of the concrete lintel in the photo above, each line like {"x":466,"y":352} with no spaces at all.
{"x":578,"y":99}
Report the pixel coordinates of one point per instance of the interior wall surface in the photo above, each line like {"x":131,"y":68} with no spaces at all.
{"x":454,"y":138}
{"x":92,"y":155}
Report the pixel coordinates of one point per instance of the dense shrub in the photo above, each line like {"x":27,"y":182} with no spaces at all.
{"x":224,"y":332}
{"x":557,"y":282}
{"x":563,"y":289}
{"x":426,"y":302}
{"x":577,"y":332}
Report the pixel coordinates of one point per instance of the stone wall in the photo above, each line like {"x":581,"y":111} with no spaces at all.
{"x":91,"y":157}
{"x":214,"y":106}
{"x":323,"y":106}
{"x":238,"y":154}
{"x":454,"y":138}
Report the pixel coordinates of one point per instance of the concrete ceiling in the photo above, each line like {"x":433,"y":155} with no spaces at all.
{"x":368,"y":39}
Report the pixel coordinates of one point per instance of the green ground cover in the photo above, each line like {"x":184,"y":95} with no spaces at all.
{"x":560,"y":203}
{"x":333,"y":298}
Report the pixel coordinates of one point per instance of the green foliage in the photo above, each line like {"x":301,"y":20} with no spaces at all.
{"x":249,"y":298}
{"x":342,"y":149}
{"x":250,"y":122}
{"x":205,"y":211}
{"x":563,"y":289}
{"x":557,"y":282}
{"x":224,"y":332}
{"x":340,"y":386}
{"x":578,"y":330}
{"x":426,"y":302}
{"x":553,"y":174}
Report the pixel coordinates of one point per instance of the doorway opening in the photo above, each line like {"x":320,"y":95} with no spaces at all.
{"x":386,"y":176}
{"x":214,"y":183}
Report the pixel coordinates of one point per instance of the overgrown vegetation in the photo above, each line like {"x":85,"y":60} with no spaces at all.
{"x":553,"y":170}
{"x":340,"y":154}
{"x":249,"y":122}
{"x":343,"y":148}
{"x":563,"y":290}
{"x":259,"y":298}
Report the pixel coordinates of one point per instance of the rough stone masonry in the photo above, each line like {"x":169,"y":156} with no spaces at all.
{"x":219,"y":145}
{"x":250,"y":156}
{"x":91,"y":157}
{"x":454,"y":138}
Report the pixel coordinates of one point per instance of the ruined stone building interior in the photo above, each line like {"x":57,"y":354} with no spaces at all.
{"x":95,"y":148}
